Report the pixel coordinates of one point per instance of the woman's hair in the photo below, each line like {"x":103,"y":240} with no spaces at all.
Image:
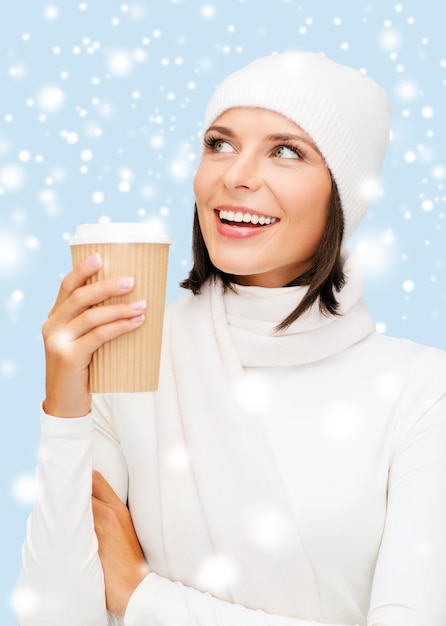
{"x":324,"y":279}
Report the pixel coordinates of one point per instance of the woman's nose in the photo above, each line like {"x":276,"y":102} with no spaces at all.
{"x":243,"y":173}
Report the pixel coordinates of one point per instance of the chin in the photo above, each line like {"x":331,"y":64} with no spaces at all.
{"x":233,"y":269}
{"x":224,"y":264}
{"x":235,"y":261}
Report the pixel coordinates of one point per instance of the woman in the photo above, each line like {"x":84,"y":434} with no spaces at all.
{"x":291,"y":468}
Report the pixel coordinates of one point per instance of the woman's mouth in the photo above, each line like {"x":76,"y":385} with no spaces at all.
{"x":244,"y":218}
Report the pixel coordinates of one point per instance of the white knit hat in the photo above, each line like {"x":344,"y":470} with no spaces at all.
{"x":344,"y":111}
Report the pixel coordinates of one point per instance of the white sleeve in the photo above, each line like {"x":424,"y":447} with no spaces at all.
{"x":161,"y":602}
{"x":61,"y":580}
{"x":410,"y":576}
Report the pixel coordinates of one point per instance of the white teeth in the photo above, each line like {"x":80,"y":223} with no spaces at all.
{"x":247,"y":218}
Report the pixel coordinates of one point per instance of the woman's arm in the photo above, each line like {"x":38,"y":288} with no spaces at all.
{"x":76,"y":328}
{"x":162,"y":602}
{"x":61,"y":580}
{"x":119,"y":549}
{"x":60,"y":554}
{"x":142,"y":597}
{"x":410,"y":576}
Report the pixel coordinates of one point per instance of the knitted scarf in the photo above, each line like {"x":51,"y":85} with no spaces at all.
{"x":209,"y":341}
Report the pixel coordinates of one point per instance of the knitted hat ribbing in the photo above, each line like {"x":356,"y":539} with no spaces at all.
{"x":345,"y":113}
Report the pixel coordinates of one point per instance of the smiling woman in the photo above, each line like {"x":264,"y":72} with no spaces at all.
{"x":285,"y":177}
{"x":245,"y":170}
{"x":291,"y":468}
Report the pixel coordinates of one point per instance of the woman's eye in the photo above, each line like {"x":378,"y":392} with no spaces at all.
{"x":222,"y":146}
{"x":282,"y":152}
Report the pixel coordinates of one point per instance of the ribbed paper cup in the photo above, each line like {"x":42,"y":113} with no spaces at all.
{"x":129,"y":363}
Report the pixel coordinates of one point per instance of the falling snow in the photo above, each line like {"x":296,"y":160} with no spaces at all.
{"x":101,"y":115}
{"x":50,"y":98}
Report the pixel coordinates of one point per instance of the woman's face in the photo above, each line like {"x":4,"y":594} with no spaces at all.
{"x":263,"y":192}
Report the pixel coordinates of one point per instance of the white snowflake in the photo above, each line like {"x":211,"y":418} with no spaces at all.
{"x":120,"y":63}
{"x":50,"y":98}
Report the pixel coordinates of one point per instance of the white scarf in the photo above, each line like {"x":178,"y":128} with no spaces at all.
{"x":254,"y":312}
{"x":209,"y":339}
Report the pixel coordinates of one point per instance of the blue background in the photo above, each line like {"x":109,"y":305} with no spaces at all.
{"x":100,"y":110}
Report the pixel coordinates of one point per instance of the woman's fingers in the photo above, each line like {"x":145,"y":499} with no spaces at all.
{"x":75,"y":313}
{"x":78,"y":277}
{"x":98,"y":336}
{"x":79,"y":313}
{"x":122,"y":559}
{"x":86,"y":296}
{"x":97,"y":317}
{"x":86,"y":332}
{"x":76,"y":328}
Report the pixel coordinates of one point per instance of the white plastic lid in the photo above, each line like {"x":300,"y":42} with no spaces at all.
{"x":118,"y":232}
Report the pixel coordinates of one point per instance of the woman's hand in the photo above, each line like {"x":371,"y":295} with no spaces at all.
{"x":76,"y":328}
{"x":121,"y":556}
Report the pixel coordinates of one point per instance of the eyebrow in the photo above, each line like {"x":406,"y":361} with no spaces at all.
{"x":272,"y":137}
{"x":221,"y":129}
{"x":290,"y":137}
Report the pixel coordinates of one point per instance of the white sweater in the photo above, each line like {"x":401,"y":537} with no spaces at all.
{"x":282,"y":481}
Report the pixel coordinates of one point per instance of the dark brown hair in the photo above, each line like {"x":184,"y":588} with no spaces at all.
{"x":324,"y":279}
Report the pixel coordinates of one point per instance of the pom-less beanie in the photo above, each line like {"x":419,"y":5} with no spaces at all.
{"x":345,"y":112}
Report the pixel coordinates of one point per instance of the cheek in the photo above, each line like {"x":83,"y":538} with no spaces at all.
{"x":201,"y":202}
{"x":202,"y":182}
{"x":314,"y":193}
{"x":197,"y":183}
{"x":308,"y":204}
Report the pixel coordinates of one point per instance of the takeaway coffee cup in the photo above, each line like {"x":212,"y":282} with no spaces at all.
{"x":129,"y":363}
